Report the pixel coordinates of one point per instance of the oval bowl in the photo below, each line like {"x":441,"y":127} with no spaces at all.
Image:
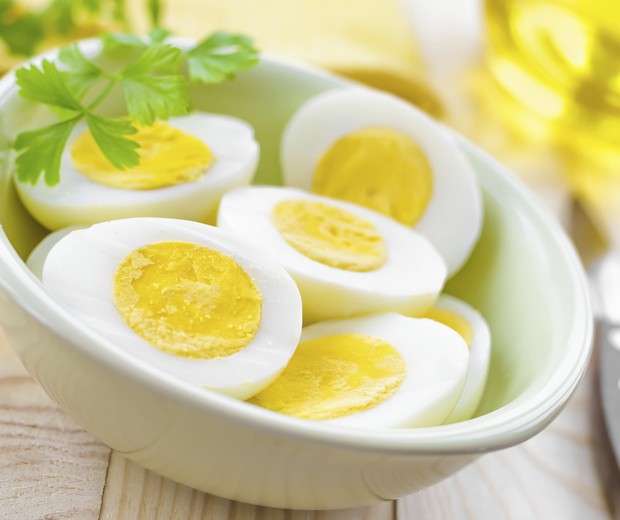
{"x":523,"y":275}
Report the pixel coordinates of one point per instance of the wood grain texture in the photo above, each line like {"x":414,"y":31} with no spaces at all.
{"x":133,"y":492}
{"x":49,"y":466}
{"x":553,"y":475}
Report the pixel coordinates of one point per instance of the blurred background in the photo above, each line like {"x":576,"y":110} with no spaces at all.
{"x":534,"y":82}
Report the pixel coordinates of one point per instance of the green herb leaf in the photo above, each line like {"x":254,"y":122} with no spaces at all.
{"x":109,"y":134}
{"x":92,"y":6}
{"x":82,"y":74}
{"x":118,"y":10}
{"x":220,"y":57}
{"x":150,"y":96}
{"x":120,"y":41}
{"x":22,"y":36}
{"x":158,"y":57}
{"x":155,"y":97}
{"x":42,"y":151}
{"x":46,"y":85}
{"x":154,"y":8}
{"x":151,"y":84}
{"x":158,"y":34}
{"x":61,"y":14}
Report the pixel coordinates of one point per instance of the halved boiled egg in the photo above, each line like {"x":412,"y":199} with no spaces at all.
{"x":378,"y":371}
{"x":186,"y":165}
{"x":184,"y":297}
{"x":37,"y":256}
{"x":470,"y":324}
{"x":376,"y":150}
{"x":346,"y":259}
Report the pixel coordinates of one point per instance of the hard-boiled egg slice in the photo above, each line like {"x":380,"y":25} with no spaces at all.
{"x":376,"y":150}
{"x":378,"y":371}
{"x":184,"y":297}
{"x":470,"y":324}
{"x":346,"y":259}
{"x":187,"y":163}
{"x":37,"y":256}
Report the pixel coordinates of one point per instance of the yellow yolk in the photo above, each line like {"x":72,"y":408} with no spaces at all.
{"x":379,"y":168}
{"x":330,"y":235}
{"x":168,"y":157}
{"x":188,"y":300}
{"x":454,"y":321}
{"x":335,"y":376}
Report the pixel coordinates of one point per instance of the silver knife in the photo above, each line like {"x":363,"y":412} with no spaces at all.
{"x":605,"y":291}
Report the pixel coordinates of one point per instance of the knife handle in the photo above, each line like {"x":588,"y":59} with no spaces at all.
{"x":606,"y":407}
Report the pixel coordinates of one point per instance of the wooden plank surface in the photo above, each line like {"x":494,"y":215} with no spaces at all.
{"x":133,"y":492}
{"x":553,"y":475}
{"x":49,"y":466}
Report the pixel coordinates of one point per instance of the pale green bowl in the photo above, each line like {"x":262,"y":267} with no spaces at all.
{"x":524,"y":276}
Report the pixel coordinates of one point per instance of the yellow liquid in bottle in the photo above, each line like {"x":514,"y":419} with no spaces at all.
{"x":561,"y":59}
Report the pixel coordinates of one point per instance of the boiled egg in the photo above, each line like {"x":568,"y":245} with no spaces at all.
{"x":186,"y":298}
{"x":346,"y":259}
{"x":470,"y":324}
{"x":376,"y":150}
{"x":377,"y":371}
{"x":186,"y":164}
{"x":37,"y":256}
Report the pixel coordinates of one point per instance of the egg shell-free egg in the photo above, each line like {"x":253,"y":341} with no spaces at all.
{"x":79,"y":272}
{"x":452,"y":220}
{"x":479,"y":356}
{"x":408,"y":282}
{"x":77,"y":200}
{"x":436,"y":365}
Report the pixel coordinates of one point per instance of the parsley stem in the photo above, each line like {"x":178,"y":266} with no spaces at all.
{"x":102,"y":95}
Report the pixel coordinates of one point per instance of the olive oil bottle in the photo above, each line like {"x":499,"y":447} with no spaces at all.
{"x":561,"y":60}
{"x":560,"y":57}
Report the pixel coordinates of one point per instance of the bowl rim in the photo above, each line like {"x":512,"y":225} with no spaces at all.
{"x":513,"y":423}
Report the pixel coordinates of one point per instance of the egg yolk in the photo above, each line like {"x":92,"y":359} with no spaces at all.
{"x":187,"y":300}
{"x":330,"y":235}
{"x":335,"y":376}
{"x":454,"y":321}
{"x":168,"y":157}
{"x":379,"y":168}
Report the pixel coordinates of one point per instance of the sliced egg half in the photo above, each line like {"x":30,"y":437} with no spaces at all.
{"x":346,"y":259}
{"x":376,"y":150}
{"x":37,"y":257}
{"x":470,"y":324}
{"x":378,"y":371}
{"x":184,"y":297}
{"x":186,"y":165}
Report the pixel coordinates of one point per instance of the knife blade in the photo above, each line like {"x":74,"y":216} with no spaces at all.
{"x":604,"y":283}
{"x":605,"y":292}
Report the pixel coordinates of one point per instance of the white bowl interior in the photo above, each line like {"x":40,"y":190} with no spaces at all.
{"x":523,"y":275}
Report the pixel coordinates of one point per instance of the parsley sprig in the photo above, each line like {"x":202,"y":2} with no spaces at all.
{"x":24,"y":29}
{"x":152,"y":85}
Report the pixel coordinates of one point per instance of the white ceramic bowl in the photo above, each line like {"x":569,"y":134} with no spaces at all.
{"x":524,"y":277}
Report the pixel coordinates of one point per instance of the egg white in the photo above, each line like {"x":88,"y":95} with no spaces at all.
{"x":37,"y":256}
{"x":408,"y":282}
{"x":452,"y":220}
{"x":436,"y":360}
{"x":77,"y":200}
{"x":479,"y":357}
{"x":79,"y":272}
